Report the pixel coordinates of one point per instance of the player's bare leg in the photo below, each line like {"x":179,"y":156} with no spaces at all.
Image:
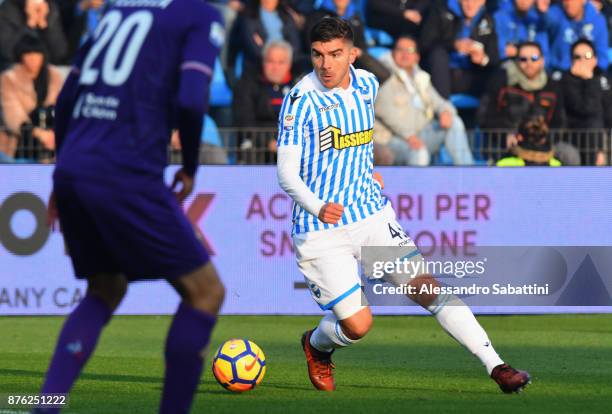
{"x":320,"y":343}
{"x":80,"y":333}
{"x":458,"y":321}
{"x":202,"y":295}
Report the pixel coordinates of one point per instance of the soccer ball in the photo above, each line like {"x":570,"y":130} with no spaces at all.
{"x":239,"y":365}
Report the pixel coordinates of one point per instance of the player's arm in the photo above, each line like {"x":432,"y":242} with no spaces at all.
{"x":289,"y":158}
{"x":67,"y":97}
{"x":64,"y":105}
{"x":63,"y":112}
{"x":293,"y":118}
{"x":198,"y":58}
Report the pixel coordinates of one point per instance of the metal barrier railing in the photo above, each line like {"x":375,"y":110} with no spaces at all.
{"x":256,"y":146}
{"x":572,"y":147}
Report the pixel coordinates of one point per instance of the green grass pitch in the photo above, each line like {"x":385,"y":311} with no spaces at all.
{"x":405,"y":364}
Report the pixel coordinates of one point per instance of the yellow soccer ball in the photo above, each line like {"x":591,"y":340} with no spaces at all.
{"x":239,"y":365}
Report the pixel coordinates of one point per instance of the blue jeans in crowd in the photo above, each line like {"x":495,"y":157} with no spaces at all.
{"x":433,"y":136}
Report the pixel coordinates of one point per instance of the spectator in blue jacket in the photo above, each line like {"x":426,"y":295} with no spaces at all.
{"x":516,"y":22}
{"x":569,"y":22}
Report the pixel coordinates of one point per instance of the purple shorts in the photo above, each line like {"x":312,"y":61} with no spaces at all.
{"x":133,"y":227}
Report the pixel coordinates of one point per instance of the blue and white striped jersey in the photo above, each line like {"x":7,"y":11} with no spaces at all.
{"x":334,"y":128}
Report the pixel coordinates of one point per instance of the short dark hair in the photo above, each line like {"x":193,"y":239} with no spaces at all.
{"x":330,"y":28}
{"x":529,"y":44}
{"x":29,"y":42}
{"x":406,"y":37}
{"x":534,"y":129}
{"x":583,"y":42}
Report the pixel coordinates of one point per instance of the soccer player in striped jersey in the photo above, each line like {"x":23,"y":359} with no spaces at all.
{"x":325,"y":163}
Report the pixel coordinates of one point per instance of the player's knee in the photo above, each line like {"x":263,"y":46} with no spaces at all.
{"x":358,"y":325}
{"x":202,"y":289}
{"x":110,"y":288}
{"x":424,"y":299}
{"x":216,"y":292}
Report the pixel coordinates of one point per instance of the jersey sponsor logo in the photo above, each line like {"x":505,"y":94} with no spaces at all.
{"x":95,"y":106}
{"x":332,"y":137}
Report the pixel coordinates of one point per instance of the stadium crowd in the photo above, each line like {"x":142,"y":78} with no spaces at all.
{"x":458,"y":77}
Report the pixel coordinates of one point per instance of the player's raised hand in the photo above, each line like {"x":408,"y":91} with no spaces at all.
{"x":376,"y":175}
{"x":186,"y":185}
{"x":331,"y":212}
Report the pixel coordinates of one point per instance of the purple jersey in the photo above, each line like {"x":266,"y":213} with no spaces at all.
{"x":131,"y":75}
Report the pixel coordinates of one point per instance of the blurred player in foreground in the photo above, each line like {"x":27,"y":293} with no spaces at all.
{"x":145,"y":70}
{"x":325,"y":163}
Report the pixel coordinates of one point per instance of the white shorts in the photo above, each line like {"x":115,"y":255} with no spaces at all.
{"x":329,"y":259}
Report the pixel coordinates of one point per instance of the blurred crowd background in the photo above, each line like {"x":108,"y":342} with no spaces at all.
{"x":463,"y":82}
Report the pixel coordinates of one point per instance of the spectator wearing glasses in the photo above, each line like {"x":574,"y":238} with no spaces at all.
{"x":518,"y":21}
{"x":570,"y":21}
{"x":459,"y":44}
{"x":587,"y":100}
{"x":520,"y":88}
{"x":413,"y":120}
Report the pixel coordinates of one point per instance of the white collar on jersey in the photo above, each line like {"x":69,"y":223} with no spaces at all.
{"x":353,"y":84}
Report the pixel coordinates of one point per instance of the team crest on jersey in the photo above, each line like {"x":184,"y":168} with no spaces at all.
{"x":484,"y":29}
{"x":315,"y":290}
{"x":332,"y":137}
{"x":364,"y":90}
{"x":217,"y":34}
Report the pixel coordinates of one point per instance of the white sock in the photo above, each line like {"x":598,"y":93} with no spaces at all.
{"x":329,"y":335}
{"x":458,"y":321}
